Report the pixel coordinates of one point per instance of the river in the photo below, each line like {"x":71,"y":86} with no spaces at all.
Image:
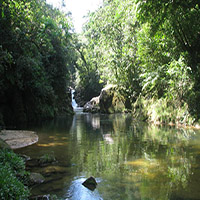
{"x":129,"y":160}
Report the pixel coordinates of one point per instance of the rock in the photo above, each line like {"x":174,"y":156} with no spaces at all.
{"x":92,"y":105}
{"x":17,"y":139}
{"x":47,"y":159}
{"x":90,"y":183}
{"x":36,"y":178}
{"x":110,"y":101}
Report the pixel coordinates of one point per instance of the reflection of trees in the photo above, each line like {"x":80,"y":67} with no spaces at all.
{"x":166,"y":160}
{"x":151,"y":161}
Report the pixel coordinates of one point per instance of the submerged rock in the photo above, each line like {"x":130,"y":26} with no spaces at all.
{"x":36,"y":178}
{"x":32,"y":163}
{"x":47,"y":159}
{"x":49,"y":170}
{"x":90,"y":183}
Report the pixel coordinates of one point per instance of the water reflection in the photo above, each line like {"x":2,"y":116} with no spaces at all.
{"x":78,"y":192}
{"x":108,"y":138}
{"x":131,"y":160}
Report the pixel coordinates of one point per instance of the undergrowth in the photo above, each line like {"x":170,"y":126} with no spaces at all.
{"x":13,"y":176}
{"x":162,"y":110}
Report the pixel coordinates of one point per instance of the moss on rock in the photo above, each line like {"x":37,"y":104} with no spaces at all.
{"x":111,"y":101}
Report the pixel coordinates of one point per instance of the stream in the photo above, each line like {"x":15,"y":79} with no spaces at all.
{"x":129,"y":160}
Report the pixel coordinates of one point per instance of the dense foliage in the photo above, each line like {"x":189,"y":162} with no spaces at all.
{"x":12,"y":176}
{"x":87,"y":78}
{"x":151,"y":50}
{"x":36,"y":57}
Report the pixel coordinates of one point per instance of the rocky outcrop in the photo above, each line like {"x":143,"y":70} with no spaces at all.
{"x":110,"y":101}
{"x":18,"y":139}
{"x":92,"y":105}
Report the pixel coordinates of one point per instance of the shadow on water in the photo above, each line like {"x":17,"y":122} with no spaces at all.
{"x":129,"y":160}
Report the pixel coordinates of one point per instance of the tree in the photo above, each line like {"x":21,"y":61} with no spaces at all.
{"x":35,"y":62}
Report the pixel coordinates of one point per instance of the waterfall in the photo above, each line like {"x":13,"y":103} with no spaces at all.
{"x":74,"y":104}
{"x":77,"y":110}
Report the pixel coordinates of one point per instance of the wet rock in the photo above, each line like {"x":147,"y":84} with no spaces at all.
{"x":47,"y":159}
{"x":90,"y":183}
{"x":92,"y":105}
{"x":36,"y":178}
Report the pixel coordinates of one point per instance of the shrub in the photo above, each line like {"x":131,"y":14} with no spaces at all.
{"x":12,"y":176}
{"x":162,"y":110}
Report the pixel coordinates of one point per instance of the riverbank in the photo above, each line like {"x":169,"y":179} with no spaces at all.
{"x":165,"y":111}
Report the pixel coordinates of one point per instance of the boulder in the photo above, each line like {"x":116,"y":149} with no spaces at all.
{"x":18,"y":138}
{"x":92,"y":105}
{"x":90,"y":183}
{"x":110,"y":101}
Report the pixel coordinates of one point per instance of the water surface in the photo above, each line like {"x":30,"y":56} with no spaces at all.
{"x":129,"y":160}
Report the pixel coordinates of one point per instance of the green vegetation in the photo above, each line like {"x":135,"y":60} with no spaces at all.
{"x":150,"y":50}
{"x":36,"y":57}
{"x":13,"y":176}
{"x":47,"y":158}
{"x":87,"y":78}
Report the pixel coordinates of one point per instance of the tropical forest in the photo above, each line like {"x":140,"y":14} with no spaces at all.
{"x":108,"y":113}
